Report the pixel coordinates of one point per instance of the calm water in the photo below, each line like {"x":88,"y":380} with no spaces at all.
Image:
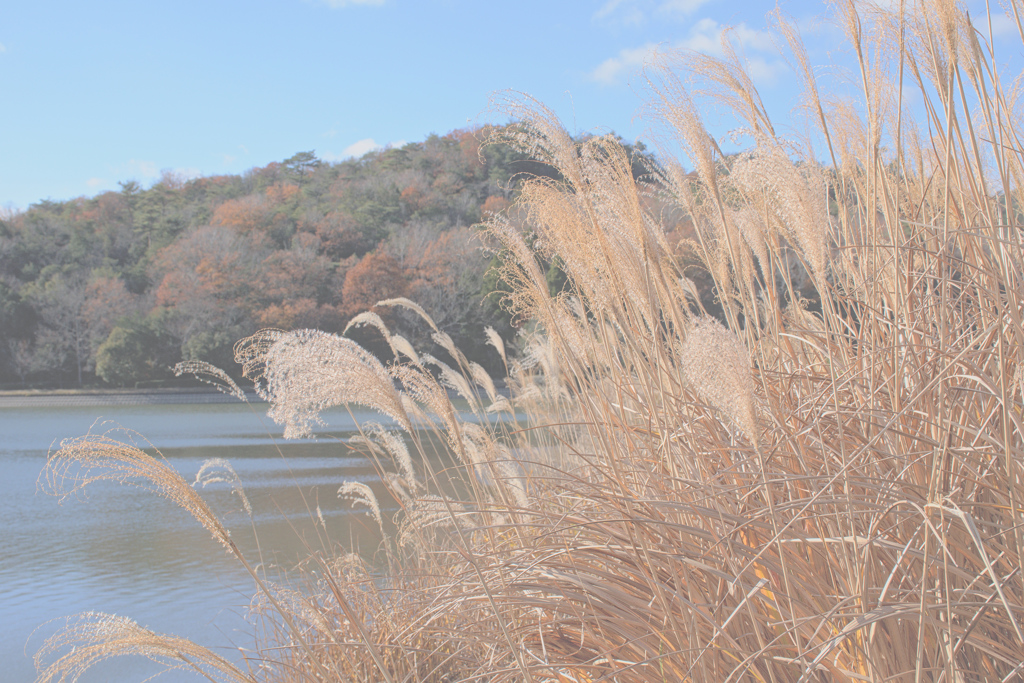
{"x":121,"y":550}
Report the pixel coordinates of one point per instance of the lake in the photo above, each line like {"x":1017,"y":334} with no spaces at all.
{"x":122,"y":550}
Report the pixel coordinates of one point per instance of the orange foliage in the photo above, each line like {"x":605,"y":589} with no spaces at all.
{"x":106,"y":301}
{"x":211,"y":264}
{"x":279,"y":193}
{"x":447,"y":184}
{"x":245,"y":214}
{"x":301,"y":313}
{"x":413,"y":198}
{"x":493,"y":206}
{"x":376,"y":277}
{"x":469,"y":145}
{"x":294,"y":274}
{"x":341,"y":236}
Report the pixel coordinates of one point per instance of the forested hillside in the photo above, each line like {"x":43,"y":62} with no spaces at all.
{"x":115,"y":289}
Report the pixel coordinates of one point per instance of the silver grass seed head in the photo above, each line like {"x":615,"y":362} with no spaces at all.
{"x":495,"y":340}
{"x":219,"y":470}
{"x":716,"y":365}
{"x":304,"y":372}
{"x":360,"y":493}
{"x":210,"y":374}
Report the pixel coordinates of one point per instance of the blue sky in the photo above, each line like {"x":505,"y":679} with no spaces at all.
{"x":100,"y":92}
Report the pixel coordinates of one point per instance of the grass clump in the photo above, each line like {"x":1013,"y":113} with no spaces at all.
{"x":801,"y":490}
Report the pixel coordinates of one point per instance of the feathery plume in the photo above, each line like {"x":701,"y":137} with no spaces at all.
{"x":716,"y":365}
{"x":412,"y":306}
{"x":212,"y":375}
{"x":495,"y":340}
{"x":219,"y":470}
{"x":303,"y":372}
{"x":358,"y":492}
{"x":100,"y":457}
{"x":93,"y":637}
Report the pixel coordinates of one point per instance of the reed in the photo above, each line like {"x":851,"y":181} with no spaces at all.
{"x":806,"y":489}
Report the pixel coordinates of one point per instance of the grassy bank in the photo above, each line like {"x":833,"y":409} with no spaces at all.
{"x":814,"y":489}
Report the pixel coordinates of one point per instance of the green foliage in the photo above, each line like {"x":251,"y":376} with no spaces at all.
{"x":212,"y":346}
{"x":130,"y":354}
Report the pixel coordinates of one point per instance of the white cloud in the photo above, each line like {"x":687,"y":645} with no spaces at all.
{"x":607,"y":8}
{"x":189,"y":173}
{"x":765,"y":72}
{"x":626,"y":12}
{"x":338,"y":4}
{"x":93,"y":183}
{"x":3,"y":48}
{"x":682,"y":6}
{"x":143,"y":169}
{"x":1001,"y":24}
{"x":611,"y":71}
{"x":358,"y":149}
{"x":636,"y":12}
{"x":706,"y":37}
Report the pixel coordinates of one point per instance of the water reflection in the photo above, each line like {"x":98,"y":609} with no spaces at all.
{"x":122,"y":550}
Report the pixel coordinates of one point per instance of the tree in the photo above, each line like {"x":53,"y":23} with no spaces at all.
{"x":17,"y":322}
{"x":77,"y":315}
{"x":342,"y":236}
{"x":376,"y":277}
{"x":126,"y":357}
{"x":301,"y":165}
{"x":209,"y":282}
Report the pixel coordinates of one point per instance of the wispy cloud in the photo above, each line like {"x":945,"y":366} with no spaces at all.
{"x":358,"y":149}
{"x":607,"y":8}
{"x":614,"y":70}
{"x":338,"y":4}
{"x":144,"y":169}
{"x":620,"y":11}
{"x":684,"y":7}
{"x":1001,"y":24}
{"x":705,"y":36}
{"x":636,"y":12}
{"x":3,"y":48}
{"x":190,"y":173}
{"x":93,"y":183}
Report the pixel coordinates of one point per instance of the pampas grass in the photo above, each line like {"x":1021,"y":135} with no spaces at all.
{"x":825,"y":484}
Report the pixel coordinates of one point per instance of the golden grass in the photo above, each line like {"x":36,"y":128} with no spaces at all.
{"x":806,"y":491}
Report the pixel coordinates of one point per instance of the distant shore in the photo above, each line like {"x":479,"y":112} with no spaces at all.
{"x":59,"y":398}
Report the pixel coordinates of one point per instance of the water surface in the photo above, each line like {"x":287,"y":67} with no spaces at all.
{"x":122,"y":550}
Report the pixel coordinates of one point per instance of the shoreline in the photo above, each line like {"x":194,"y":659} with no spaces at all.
{"x":59,"y":398}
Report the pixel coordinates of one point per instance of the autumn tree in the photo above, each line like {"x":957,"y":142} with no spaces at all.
{"x":208,"y":284}
{"x":342,"y":236}
{"x":376,"y":277}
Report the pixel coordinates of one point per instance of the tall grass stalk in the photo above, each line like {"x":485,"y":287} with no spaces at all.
{"x":823,"y":484}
